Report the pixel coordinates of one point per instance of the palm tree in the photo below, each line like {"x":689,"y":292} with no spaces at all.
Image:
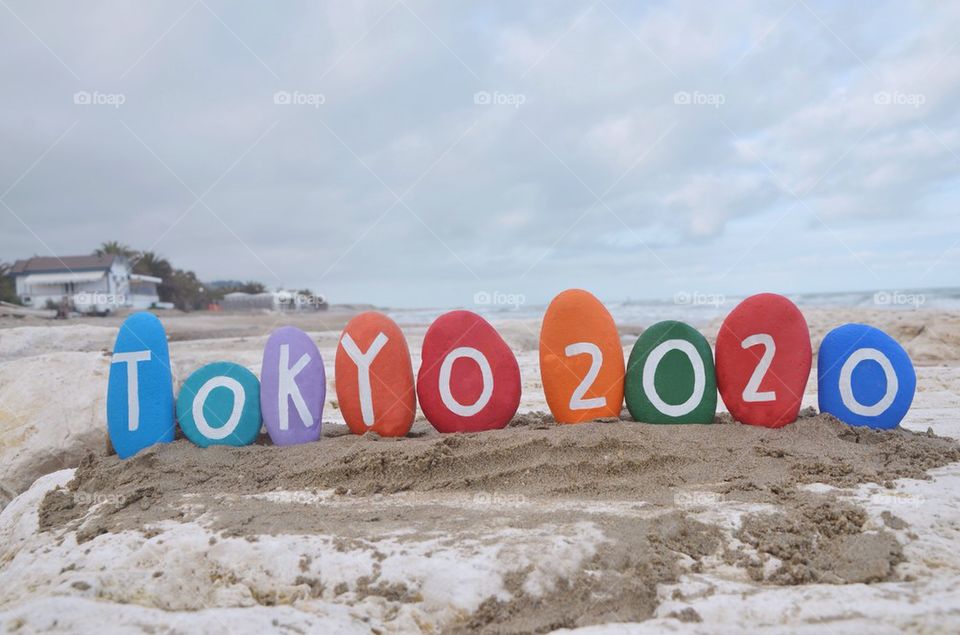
{"x":150,"y":264}
{"x":115,"y":248}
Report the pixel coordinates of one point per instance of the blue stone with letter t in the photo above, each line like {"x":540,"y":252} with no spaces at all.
{"x":140,"y":389}
{"x":864,"y":377}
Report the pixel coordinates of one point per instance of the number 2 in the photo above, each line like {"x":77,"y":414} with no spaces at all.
{"x":577,"y":402}
{"x":750,"y":393}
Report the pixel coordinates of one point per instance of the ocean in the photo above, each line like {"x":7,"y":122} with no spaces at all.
{"x":700,"y":309}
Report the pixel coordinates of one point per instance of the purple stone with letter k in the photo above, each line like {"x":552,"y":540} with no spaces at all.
{"x":293,"y":386}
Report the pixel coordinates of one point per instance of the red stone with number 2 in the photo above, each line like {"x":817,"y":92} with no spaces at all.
{"x":763,"y":360}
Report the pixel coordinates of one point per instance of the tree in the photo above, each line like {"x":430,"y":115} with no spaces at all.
{"x":115,"y":248}
{"x":8,"y":290}
{"x":184,"y":290}
{"x":252,"y":286}
{"x":149,"y":263}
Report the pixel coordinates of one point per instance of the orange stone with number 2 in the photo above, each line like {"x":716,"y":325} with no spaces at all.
{"x":374,"y":376}
{"x":581,"y":359}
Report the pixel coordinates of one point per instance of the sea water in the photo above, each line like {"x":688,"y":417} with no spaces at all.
{"x":701,"y":309}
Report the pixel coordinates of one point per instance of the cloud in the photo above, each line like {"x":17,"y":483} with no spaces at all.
{"x":423,"y":150}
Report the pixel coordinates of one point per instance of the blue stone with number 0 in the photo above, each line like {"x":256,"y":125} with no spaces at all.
{"x":864,"y":377}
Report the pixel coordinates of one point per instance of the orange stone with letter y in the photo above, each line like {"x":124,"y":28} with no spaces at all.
{"x":374,"y":376}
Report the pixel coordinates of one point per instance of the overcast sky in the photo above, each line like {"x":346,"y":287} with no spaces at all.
{"x":414,"y":153}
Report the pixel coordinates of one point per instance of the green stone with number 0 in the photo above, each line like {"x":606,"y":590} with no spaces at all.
{"x":670,"y":376}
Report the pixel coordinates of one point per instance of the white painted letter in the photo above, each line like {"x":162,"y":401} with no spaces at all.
{"x":363,"y":362}
{"x":750,"y":393}
{"x":239,"y":398}
{"x":131,"y":359}
{"x":577,"y":402}
{"x":699,"y":377}
{"x":846,"y":385}
{"x":445,"y":369}
{"x":288,"y":388}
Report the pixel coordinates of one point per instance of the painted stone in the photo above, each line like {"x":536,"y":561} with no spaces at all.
{"x":293,"y":386}
{"x":374,"y":376}
{"x":581,"y":360}
{"x":864,"y":377}
{"x":469,"y":379}
{"x":140,"y":409}
{"x":219,"y":404}
{"x":670,"y":376}
{"x":763,"y":360}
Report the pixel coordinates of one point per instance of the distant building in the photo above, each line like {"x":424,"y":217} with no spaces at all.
{"x":93,"y":284}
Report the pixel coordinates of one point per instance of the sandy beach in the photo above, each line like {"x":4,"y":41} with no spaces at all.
{"x":533,"y":528}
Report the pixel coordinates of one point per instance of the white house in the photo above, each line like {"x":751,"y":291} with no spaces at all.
{"x":94,"y":284}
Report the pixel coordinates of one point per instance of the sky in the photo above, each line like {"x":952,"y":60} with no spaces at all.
{"x":408,"y":153}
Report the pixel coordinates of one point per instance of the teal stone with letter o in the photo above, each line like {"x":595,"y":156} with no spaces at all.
{"x":670,"y":376}
{"x":219,"y":404}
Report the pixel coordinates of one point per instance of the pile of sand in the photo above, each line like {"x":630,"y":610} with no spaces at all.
{"x":536,"y":473}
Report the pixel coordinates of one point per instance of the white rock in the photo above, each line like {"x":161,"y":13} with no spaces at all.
{"x":28,"y":341}
{"x":52,"y":412}
{"x":184,"y":576}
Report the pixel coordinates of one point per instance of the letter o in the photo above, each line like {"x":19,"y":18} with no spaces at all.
{"x":239,"y":398}
{"x":447,"y":367}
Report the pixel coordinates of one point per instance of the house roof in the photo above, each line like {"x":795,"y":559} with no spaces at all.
{"x":44,"y":264}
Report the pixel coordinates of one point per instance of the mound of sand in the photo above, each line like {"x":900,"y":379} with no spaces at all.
{"x":638,"y":484}
{"x":620,"y":460}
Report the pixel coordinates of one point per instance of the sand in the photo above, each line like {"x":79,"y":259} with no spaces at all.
{"x":530,"y":473}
